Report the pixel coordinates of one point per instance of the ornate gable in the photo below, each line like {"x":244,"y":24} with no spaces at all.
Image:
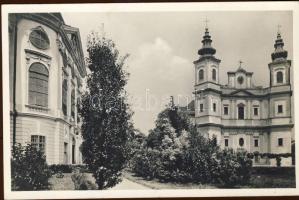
{"x":241,"y":93}
{"x":73,"y":36}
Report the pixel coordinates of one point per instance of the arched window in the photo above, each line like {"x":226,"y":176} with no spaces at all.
{"x":38,"y":37}
{"x":73,"y":151}
{"x":200,"y":74}
{"x":73,"y":104}
{"x":241,"y":111}
{"x":214,"y":74}
{"x":78,"y":106}
{"x":241,"y":142}
{"x":38,"y":85}
{"x":279,"y":77}
{"x":64,"y":97}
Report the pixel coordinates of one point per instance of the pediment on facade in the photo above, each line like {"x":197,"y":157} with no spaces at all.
{"x":241,"y":93}
{"x":73,"y":36}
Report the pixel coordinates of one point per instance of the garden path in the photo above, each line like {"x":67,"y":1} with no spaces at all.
{"x":129,"y":185}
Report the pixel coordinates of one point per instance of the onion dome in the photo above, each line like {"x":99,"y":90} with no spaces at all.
{"x":207,"y":48}
{"x":279,"y":53}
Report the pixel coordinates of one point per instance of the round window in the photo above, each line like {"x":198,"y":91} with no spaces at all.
{"x":39,"y":38}
{"x":241,"y":142}
{"x":240,"y":79}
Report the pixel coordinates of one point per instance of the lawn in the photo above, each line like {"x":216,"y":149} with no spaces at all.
{"x":257,"y":180}
{"x":272,"y":181}
{"x":155,"y":184}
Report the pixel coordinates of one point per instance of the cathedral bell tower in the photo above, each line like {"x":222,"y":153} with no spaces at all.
{"x":280,"y":66}
{"x":280,"y":86}
{"x":207,"y":90}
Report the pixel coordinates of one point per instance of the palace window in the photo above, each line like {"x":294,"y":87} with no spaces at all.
{"x":241,"y":142}
{"x":226,"y":142}
{"x":65,"y":153}
{"x":201,"y":107}
{"x":255,"y":111}
{"x":279,"y":77}
{"x":201,"y":74}
{"x":256,"y":142}
{"x":280,"y":109}
{"x":241,"y":112}
{"x":39,"y":142}
{"x":214,"y":140}
{"x":214,"y":107}
{"x":214,"y":74}
{"x":73,"y":151}
{"x":73,"y":104}
{"x":64,"y":97}
{"x":78,"y":106}
{"x":240,"y":80}
{"x":225,"y":110}
{"x":280,"y":142}
{"x":38,"y":37}
{"x":38,"y":85}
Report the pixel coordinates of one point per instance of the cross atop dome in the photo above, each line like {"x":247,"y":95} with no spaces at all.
{"x":206,"y":22}
{"x":278,"y":29}
{"x":241,"y":62}
{"x":207,"y":49}
{"x":279,"y":53}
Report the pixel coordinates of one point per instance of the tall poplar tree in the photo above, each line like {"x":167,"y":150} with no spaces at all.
{"x":104,"y":112}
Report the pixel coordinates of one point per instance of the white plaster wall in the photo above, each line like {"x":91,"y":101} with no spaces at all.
{"x":45,"y":123}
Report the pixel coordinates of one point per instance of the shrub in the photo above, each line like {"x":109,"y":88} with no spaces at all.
{"x":81,"y":181}
{"x":178,"y":153}
{"x":29,"y":169}
{"x":60,"y":168}
{"x":232,"y":168}
{"x":146,"y":162}
{"x":68,"y":168}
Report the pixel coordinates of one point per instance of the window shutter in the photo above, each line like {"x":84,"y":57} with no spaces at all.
{"x":38,"y":85}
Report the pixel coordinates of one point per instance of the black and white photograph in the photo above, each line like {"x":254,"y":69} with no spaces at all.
{"x":150,"y":100}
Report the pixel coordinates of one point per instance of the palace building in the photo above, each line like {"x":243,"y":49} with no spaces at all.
{"x":240,"y":115}
{"x":46,"y":68}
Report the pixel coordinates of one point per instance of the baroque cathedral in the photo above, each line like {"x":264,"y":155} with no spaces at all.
{"x":240,"y":115}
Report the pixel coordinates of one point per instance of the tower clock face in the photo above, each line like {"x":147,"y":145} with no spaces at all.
{"x":240,"y":79}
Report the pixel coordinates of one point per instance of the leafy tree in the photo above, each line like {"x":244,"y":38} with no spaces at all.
{"x":169,"y":122}
{"x":179,"y":121}
{"x":177,"y":152}
{"x":29,"y":170}
{"x":105,"y":113}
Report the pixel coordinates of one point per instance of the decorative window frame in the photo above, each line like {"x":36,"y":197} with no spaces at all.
{"x":198,"y":78}
{"x":32,"y":57}
{"x":213,"y":67}
{"x":258,"y":111}
{"x":39,"y":28}
{"x":39,"y":134}
{"x":228,"y":113}
{"x":239,"y":142}
{"x":282,"y":70}
{"x":214,"y":101}
{"x":282,"y":141}
{"x":276,"y":104}
{"x":241,"y":104}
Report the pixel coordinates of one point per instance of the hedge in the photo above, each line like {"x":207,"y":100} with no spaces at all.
{"x":65,"y":168}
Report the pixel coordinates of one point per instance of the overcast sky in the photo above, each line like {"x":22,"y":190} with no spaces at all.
{"x":163,"y":46}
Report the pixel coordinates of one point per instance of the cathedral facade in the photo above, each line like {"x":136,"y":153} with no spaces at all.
{"x":240,"y":115}
{"x":46,"y":70}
